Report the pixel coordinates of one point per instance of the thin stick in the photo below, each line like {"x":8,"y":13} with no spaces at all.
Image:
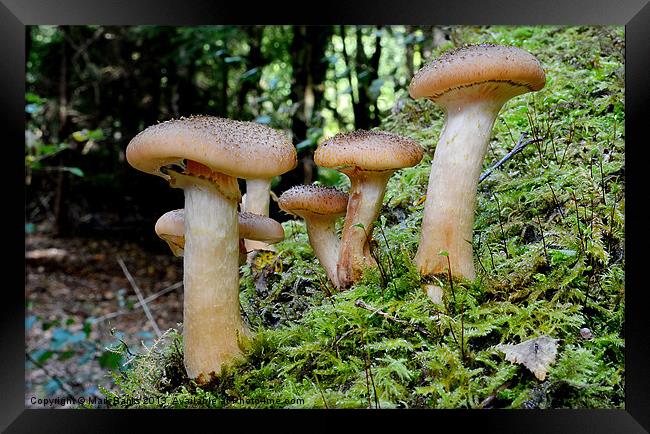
{"x":517,"y":149}
{"x":478,"y":256}
{"x":541,"y":229}
{"x":139,"y":294}
{"x":503,"y":233}
{"x":58,"y":381}
{"x":363,"y":305}
{"x":557,"y":203}
{"x":582,"y":243}
{"x":487,"y":401}
{"x":602,"y":179}
{"x":321,"y":392}
{"x":137,"y":305}
{"x":451,"y":280}
{"x":372,"y":380}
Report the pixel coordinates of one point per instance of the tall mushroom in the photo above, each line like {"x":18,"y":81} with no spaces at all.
{"x":471,"y":84}
{"x":368,"y":158}
{"x":170,"y":227}
{"x":204,"y":155}
{"x":320,"y":207}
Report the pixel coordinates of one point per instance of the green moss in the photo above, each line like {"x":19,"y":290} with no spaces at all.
{"x":549,"y":238}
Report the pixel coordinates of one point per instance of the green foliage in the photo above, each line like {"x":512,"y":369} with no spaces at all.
{"x":549,"y":255}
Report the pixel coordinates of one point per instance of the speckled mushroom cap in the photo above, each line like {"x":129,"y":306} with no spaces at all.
{"x":476,"y":64}
{"x":234,"y":148}
{"x":313,"y":200}
{"x":368,"y":150}
{"x":171,"y":228}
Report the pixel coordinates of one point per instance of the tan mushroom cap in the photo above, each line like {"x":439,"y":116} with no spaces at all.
{"x":171,"y":228}
{"x":313,"y":200}
{"x":260,"y":228}
{"x":235,"y":148}
{"x":476,"y":64}
{"x":368,"y":150}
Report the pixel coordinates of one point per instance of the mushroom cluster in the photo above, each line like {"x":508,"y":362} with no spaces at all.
{"x":205,"y":155}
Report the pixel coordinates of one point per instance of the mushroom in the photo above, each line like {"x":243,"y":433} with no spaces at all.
{"x":368,"y":158}
{"x":257,"y":201}
{"x":320,"y":207}
{"x":471,"y":84}
{"x":204,"y":155}
{"x":170,"y":227}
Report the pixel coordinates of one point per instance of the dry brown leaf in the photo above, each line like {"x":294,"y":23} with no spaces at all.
{"x":536,"y":354}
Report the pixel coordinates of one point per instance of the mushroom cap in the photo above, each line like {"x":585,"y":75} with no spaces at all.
{"x":235,"y":148}
{"x":171,"y":228}
{"x":260,"y":228}
{"x":171,"y":223}
{"x":309,"y":201}
{"x":369,"y":150}
{"x":476,"y":64}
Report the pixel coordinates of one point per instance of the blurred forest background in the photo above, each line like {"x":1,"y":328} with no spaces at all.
{"x":93,"y":88}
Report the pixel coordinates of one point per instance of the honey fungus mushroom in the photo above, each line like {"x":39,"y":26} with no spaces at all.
{"x":320,"y":207}
{"x":204,"y":156}
{"x":368,"y":158}
{"x":470,"y":84}
{"x":170,"y":227}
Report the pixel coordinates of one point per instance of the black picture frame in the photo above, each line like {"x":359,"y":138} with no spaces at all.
{"x":634,"y":14}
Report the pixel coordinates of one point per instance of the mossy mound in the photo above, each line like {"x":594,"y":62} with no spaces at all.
{"x":549,"y":237}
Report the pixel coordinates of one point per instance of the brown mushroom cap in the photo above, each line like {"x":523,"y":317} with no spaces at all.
{"x":477,"y":64}
{"x":260,"y":228}
{"x":313,"y":200}
{"x":171,"y":228}
{"x":368,"y":150}
{"x":234,"y":148}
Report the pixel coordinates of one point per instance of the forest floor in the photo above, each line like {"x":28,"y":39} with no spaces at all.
{"x":76,"y":294}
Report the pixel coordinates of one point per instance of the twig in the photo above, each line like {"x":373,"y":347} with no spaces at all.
{"x":369,"y":365}
{"x":517,"y":149}
{"x":487,"y":401}
{"x":362,"y":305}
{"x":321,"y":392}
{"x":143,"y":303}
{"x":503,"y":234}
{"x":582,"y":242}
{"x":451,"y":280}
{"x":136,"y":305}
{"x":557,"y":203}
{"x":61,"y":383}
{"x":541,"y":230}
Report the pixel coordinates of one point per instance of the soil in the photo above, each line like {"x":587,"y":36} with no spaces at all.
{"x":71,"y":281}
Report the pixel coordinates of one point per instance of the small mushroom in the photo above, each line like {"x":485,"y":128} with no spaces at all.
{"x":257,"y":201}
{"x":368,"y":158}
{"x":320,"y":207}
{"x":471,"y":84}
{"x":204,"y":156}
{"x":170,"y":227}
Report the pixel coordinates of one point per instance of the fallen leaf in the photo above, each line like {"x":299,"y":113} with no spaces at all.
{"x":536,"y":354}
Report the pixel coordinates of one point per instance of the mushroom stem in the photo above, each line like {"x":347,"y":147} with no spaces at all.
{"x":451,"y":195}
{"x":366,"y":196}
{"x":257,"y":196}
{"x":212,"y":324}
{"x":325,"y":242}
{"x":257,"y":201}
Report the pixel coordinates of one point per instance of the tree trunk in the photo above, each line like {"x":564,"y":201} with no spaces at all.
{"x":308,"y":48}
{"x":253,"y":60}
